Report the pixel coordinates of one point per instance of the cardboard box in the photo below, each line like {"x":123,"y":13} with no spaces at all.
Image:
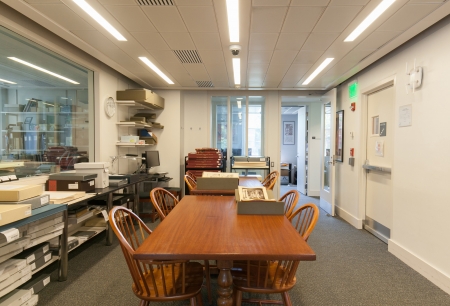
{"x":217,"y":183}
{"x":35,"y":202}
{"x":14,"y":277}
{"x":10,"y":267}
{"x":16,"y":284}
{"x":37,"y":284}
{"x":99,"y":168}
{"x":52,"y":185}
{"x":18,"y":244}
{"x":16,"y":193}
{"x":32,"y":254}
{"x":16,"y":298}
{"x":259,"y":207}
{"x":41,"y":261}
{"x":12,"y":212}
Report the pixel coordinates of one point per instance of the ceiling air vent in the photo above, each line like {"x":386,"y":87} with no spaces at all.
{"x":204,"y":84}
{"x":188,"y":56}
{"x":155,"y":2}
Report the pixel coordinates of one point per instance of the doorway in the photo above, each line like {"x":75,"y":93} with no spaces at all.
{"x":378,"y":162}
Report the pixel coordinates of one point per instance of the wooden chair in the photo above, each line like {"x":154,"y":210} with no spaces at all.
{"x":163,"y":201}
{"x":290,"y":199}
{"x":159,"y":281}
{"x":270,"y":180}
{"x":191,"y":174}
{"x":192,"y":184}
{"x":278,"y":276}
{"x":304,"y":219}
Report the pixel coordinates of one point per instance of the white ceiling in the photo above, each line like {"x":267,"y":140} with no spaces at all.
{"x":282,"y":41}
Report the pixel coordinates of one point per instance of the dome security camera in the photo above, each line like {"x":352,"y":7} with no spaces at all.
{"x":235,"y":49}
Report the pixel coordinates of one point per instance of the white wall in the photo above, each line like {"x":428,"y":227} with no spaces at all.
{"x":419,"y":235}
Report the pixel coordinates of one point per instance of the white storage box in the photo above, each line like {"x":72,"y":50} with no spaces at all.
{"x":129,"y":138}
{"x":100,"y":168}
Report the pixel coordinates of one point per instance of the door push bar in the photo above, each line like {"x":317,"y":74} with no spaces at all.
{"x":376,"y":168}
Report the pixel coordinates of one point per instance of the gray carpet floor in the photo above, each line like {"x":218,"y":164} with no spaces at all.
{"x":352,"y":268}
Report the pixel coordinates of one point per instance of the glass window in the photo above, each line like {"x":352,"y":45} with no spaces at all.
{"x":255,"y":126}
{"x":220,"y":122}
{"x":44,"y":102}
{"x":238,"y":125}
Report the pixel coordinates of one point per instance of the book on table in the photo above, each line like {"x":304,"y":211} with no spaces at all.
{"x":253,"y":194}
{"x":220,"y":174}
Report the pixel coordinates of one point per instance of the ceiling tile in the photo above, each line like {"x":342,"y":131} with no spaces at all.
{"x":193,"y":2}
{"x":310,"y":2}
{"x":207,"y":41}
{"x":356,"y":55}
{"x":150,"y":40}
{"x":349,"y":2}
{"x":279,"y":65}
{"x":407,"y":16}
{"x":427,"y":1}
{"x":263,"y":41}
{"x":197,"y":71}
{"x":43,"y":1}
{"x":291,"y":41}
{"x":256,"y":74}
{"x":302,"y":19}
{"x":376,"y":39}
{"x":160,"y":17}
{"x":164,"y":56}
{"x":179,"y":41}
{"x":270,"y":2}
{"x":207,"y":22}
{"x":257,"y":57}
{"x":307,"y":57}
{"x":267,"y":19}
{"x":63,"y":16}
{"x":294,"y":74}
{"x":336,"y":18}
{"x":131,"y":17}
{"x":319,"y":41}
{"x":118,"y":2}
{"x":210,"y":57}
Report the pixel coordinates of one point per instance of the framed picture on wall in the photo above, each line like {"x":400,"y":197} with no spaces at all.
{"x":339,"y":136}
{"x":288,"y":132}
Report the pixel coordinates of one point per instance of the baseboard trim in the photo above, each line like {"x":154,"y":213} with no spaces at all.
{"x":428,"y":271}
{"x":357,"y":223}
{"x":313,"y":193}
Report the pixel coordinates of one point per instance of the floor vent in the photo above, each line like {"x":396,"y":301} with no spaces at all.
{"x":204,"y":84}
{"x":188,"y":56}
{"x":155,"y":2}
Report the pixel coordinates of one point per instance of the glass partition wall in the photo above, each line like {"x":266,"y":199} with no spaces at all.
{"x":45,"y":101}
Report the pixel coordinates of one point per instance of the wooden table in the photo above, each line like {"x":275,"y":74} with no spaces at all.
{"x":243,"y":181}
{"x":208,"y":228}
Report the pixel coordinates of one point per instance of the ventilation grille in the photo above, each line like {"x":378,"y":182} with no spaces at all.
{"x":188,"y":56}
{"x":155,"y":2}
{"x":37,"y":83}
{"x":204,"y":84}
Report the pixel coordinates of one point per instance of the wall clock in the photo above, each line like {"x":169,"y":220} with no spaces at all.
{"x":110,"y":107}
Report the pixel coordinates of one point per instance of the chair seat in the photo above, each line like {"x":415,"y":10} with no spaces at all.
{"x":173,"y":284}
{"x":257,"y":280}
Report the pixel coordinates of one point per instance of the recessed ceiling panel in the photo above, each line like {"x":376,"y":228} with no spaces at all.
{"x":164,"y":56}
{"x":118,"y":2}
{"x":131,"y":17}
{"x":319,"y":41}
{"x":377,"y":39}
{"x":151,"y":40}
{"x":310,"y":2}
{"x":179,"y":40}
{"x":207,"y":23}
{"x":267,"y":19}
{"x":193,"y":2}
{"x":407,"y":16}
{"x":63,"y":16}
{"x":349,"y":2}
{"x":43,"y":1}
{"x":165,"y":19}
{"x":197,"y":71}
{"x":207,"y":41}
{"x":307,"y":57}
{"x":294,"y":74}
{"x":258,"y":57}
{"x":256,"y":74}
{"x":336,"y":18}
{"x":291,"y":41}
{"x":281,"y":61}
{"x":302,"y":19}
{"x":263,"y":41}
{"x":270,"y":2}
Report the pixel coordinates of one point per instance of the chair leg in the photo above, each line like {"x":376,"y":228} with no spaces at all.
{"x":192,"y":301}
{"x":199,"y":299}
{"x":144,"y":303}
{"x":286,"y":298}
{"x":238,"y":297}
{"x":208,"y":281}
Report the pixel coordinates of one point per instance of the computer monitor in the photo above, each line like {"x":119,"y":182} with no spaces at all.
{"x":151,"y":159}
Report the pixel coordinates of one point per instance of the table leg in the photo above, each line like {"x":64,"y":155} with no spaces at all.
{"x":225,"y":282}
{"x":64,"y":250}
{"x":136,"y":198}
{"x":109,"y":232}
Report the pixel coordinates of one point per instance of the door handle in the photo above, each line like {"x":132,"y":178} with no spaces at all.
{"x":376,"y":168}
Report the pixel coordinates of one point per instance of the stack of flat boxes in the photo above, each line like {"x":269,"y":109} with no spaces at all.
{"x":204,"y":159}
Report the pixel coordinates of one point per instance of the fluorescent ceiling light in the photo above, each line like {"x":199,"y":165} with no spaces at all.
{"x":43,"y":70}
{"x":383,"y":6}
{"x":239,"y":103}
{"x":101,"y":21}
{"x":237,"y":70}
{"x":6,"y":81}
{"x":233,"y":19}
{"x":156,"y":69}
{"x":318,"y":70}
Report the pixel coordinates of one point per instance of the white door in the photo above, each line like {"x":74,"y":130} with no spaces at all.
{"x":301,"y":151}
{"x":379,"y":155}
{"x":328,"y":148}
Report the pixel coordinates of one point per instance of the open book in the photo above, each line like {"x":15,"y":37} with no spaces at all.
{"x":220,"y":174}
{"x":253,"y":194}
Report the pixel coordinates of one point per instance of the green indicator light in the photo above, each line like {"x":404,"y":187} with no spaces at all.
{"x":353,"y":90}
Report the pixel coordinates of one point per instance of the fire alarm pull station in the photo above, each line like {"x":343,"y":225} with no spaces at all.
{"x":351,"y":160}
